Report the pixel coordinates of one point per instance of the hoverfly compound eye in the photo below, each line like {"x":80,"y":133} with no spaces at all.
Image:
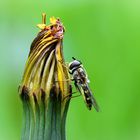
{"x":74,"y":64}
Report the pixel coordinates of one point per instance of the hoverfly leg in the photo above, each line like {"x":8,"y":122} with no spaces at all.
{"x":65,"y":65}
{"x":67,"y":80}
{"x":70,"y":72}
{"x":72,"y":96}
{"x":75,"y":96}
{"x":72,"y":79}
{"x":69,"y":95}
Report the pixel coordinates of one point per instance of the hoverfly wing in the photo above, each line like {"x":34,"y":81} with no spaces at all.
{"x":84,"y":91}
{"x":91,"y":101}
{"x":80,"y":89}
{"x":94,"y":102}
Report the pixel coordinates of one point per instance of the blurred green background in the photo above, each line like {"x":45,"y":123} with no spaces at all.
{"x":105,"y":36}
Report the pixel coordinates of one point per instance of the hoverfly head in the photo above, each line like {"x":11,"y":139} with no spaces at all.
{"x":74,"y":64}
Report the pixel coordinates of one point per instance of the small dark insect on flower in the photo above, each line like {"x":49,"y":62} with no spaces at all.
{"x":81,"y":81}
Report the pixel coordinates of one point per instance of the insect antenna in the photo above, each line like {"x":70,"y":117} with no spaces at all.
{"x":73,"y":58}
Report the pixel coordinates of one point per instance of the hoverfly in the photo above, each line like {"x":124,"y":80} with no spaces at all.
{"x":81,"y":81}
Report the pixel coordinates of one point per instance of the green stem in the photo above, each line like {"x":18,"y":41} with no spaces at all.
{"x":48,"y":122}
{"x":42,"y":120}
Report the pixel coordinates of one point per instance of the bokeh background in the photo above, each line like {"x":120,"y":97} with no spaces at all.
{"x":105,"y":36}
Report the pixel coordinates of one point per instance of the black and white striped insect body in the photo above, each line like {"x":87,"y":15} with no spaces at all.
{"x":81,"y":81}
